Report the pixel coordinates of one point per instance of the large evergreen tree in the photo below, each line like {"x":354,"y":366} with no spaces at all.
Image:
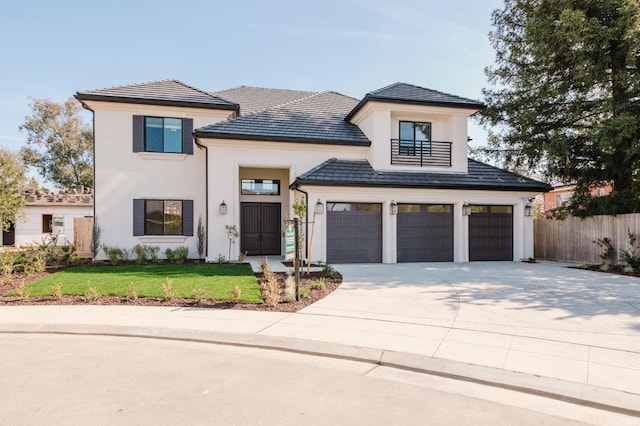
{"x":565,"y":94}
{"x":59,"y":143}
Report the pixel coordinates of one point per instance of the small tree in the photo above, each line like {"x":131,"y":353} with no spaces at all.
{"x":201,"y":238}
{"x":95,"y":237}
{"x":12,"y":180}
{"x":232,"y":234}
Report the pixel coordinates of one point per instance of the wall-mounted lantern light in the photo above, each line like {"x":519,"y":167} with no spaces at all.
{"x":466,"y":209}
{"x":319,"y":209}
{"x":223,"y":207}
{"x":528,"y":209}
{"x":393,"y":207}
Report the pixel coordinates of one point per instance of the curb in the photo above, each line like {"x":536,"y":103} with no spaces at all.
{"x":576,"y":393}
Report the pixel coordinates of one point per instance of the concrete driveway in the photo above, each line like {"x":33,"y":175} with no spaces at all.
{"x":544,"y":319}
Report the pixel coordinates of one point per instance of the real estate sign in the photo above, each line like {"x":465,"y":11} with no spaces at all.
{"x":289,"y":243}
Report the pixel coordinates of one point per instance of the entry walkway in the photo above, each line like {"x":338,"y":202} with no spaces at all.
{"x":542,"y":328}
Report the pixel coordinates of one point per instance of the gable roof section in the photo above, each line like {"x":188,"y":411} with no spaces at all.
{"x":404,"y":93}
{"x":359,"y":173}
{"x":254,"y":99}
{"x":318,"y":118}
{"x":163,"y":92}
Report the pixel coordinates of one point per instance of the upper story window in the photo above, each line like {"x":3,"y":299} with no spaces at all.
{"x":162,"y":135}
{"x":415,"y":138}
{"x":260,"y":187}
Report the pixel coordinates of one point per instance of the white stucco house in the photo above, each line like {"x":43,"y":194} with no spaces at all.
{"x":388,"y":174}
{"x":48,"y":214}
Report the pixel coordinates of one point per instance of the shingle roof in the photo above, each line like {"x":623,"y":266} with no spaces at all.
{"x":163,"y":92}
{"x":359,"y":173}
{"x":411,"y":94}
{"x":254,"y":99}
{"x":318,"y":118}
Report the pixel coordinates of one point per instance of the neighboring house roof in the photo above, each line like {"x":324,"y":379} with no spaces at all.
{"x":163,"y":92}
{"x":317,"y":118}
{"x":359,"y":173}
{"x":76,"y":197}
{"x":254,"y":99}
{"x":410,"y":94}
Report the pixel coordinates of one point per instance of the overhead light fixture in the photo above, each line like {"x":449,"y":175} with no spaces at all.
{"x":393,"y":207}
{"x":223,"y":208}
{"x":466,"y":209}
{"x":319,"y":209}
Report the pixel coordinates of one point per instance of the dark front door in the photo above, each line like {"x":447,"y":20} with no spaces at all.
{"x":491,"y":233}
{"x":425,"y":233}
{"x":9,"y":237}
{"x":260,"y":225}
{"x":354,"y":233}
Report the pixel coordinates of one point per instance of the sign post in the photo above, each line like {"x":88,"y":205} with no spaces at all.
{"x":292,"y":249}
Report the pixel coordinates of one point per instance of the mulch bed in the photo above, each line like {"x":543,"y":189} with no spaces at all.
{"x":15,"y":281}
{"x":613,"y":269}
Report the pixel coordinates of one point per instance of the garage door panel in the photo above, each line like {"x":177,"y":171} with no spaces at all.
{"x":491,"y":233}
{"x":425,"y":233}
{"x":354,"y":233}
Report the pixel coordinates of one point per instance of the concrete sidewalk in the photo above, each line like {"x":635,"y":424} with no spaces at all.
{"x":539,"y":328}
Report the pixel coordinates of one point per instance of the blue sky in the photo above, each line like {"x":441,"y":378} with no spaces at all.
{"x":54,"y":49}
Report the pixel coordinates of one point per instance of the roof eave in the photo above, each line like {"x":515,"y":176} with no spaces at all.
{"x":510,"y":188}
{"x":370,"y":98}
{"x":162,"y":102}
{"x":234,"y":136}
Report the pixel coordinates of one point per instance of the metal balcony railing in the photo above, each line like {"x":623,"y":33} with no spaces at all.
{"x":420,"y":153}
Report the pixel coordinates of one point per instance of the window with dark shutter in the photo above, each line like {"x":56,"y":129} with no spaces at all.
{"x":162,"y":134}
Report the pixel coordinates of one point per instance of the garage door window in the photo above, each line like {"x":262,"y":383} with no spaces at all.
{"x":339,"y":207}
{"x":437,"y":208}
{"x":368,"y":207}
{"x":409,"y":208}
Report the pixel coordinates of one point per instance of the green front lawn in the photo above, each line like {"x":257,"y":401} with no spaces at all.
{"x":218,"y":280}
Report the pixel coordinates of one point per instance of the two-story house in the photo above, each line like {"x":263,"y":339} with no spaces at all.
{"x":385,"y":178}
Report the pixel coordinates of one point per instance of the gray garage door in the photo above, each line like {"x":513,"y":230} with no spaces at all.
{"x":425,"y":233}
{"x":354,"y":233}
{"x":491,"y":233}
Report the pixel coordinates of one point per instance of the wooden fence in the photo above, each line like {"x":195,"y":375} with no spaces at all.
{"x":82,"y":230}
{"x":572,"y":239}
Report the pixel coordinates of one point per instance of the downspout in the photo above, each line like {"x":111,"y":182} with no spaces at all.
{"x":306,"y":222}
{"x":93,"y":158}
{"x":206,"y":195}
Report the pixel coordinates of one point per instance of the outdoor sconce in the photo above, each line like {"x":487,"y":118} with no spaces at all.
{"x":528,"y":209}
{"x":466,"y":210}
{"x":319,"y":207}
{"x":223,"y":207}
{"x":393,"y":207}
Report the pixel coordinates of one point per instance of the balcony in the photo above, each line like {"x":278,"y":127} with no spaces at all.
{"x":420,"y":153}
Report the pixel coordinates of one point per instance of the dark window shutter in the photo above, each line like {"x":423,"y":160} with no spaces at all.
{"x":187,"y":218}
{"x":138,"y":217}
{"x":138,"y":133}
{"x":187,"y":136}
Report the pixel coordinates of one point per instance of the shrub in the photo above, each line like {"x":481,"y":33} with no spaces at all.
{"x":319,"y":284}
{"x":201,"y":238}
{"x":235,"y":294}
{"x":115,"y":254}
{"x":629,"y":256}
{"x":56,"y":291}
{"x":132,"y":292}
{"x":305,"y":292}
{"x":271,"y":285}
{"x":329,"y":272}
{"x":168,"y":290}
{"x":92,"y":293}
{"x":608,"y":253}
{"x":200,"y":295}
{"x":178,"y":255}
{"x":141,"y":253}
{"x":290,"y":288}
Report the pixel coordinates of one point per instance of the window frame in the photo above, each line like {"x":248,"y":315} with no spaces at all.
{"x":261,"y":181}
{"x":164,"y":129}
{"x":413,"y":148}
{"x":164,"y":217}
